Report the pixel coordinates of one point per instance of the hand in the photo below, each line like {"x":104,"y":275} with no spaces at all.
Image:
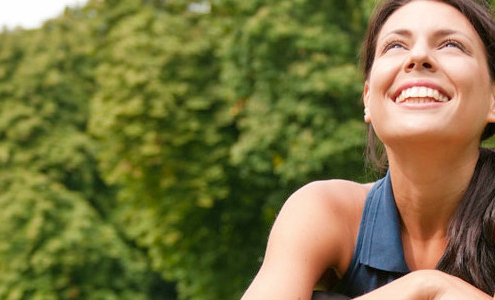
{"x":449,"y":287}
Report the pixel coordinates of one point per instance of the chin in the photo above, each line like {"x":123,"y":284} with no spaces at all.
{"x":421,"y":136}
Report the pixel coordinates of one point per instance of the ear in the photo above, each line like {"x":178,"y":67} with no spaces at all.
{"x":366,"y":94}
{"x":491,"y":112}
{"x":366,"y":97}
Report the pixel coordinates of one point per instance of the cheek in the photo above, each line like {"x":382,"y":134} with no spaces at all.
{"x":473,"y":72}
{"x":474,"y":88}
{"x":381,"y":78}
{"x":473,"y":82}
{"x":383,"y":70}
{"x":383,"y":73}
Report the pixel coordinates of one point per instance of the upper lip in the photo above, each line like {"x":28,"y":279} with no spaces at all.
{"x":419,"y":83}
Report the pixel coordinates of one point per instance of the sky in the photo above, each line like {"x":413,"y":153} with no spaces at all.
{"x":31,"y":13}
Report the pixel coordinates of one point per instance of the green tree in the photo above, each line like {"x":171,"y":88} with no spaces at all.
{"x":145,"y":141}
{"x":208,"y":119}
{"x":57,"y":241}
{"x":165,"y":131}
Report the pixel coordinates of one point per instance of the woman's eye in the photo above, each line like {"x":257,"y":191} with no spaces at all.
{"x":453,"y":44}
{"x":392,"y":45}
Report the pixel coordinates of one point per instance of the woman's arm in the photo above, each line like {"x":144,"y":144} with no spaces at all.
{"x":427,"y":285}
{"x":311,"y":234}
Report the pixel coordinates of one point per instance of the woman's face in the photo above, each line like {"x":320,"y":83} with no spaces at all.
{"x":429,"y":80}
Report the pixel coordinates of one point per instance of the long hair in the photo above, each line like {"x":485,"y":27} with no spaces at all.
{"x":470,"y":253}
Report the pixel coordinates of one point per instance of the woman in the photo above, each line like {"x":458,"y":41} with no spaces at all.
{"x":427,"y":229}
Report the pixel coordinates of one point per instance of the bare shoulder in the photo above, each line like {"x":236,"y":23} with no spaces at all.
{"x":331,"y":210}
{"x":315,"y":231}
{"x":337,"y":189}
{"x":343,"y":197}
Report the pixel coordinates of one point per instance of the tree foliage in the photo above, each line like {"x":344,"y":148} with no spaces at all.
{"x":147,"y":144}
{"x":56,"y":240}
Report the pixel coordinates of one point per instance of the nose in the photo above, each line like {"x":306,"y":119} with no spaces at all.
{"x":415,"y":65}
{"x":420,"y":58}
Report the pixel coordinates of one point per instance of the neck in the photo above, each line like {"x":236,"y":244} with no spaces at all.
{"x":428,"y":184}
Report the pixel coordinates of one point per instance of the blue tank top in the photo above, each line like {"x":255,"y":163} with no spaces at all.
{"x":378,"y":255}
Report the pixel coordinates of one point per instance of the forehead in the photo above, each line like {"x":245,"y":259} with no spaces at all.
{"x":427,"y":15}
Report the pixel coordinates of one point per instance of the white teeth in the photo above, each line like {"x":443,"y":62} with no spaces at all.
{"x":423,"y":92}
{"x":421,"y":95}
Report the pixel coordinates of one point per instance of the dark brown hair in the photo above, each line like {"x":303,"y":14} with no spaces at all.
{"x":470,"y":252}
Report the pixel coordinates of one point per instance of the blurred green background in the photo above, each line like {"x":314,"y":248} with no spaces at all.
{"x":147,"y":145}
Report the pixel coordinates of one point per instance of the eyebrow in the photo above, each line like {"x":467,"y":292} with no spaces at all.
{"x":439,"y":33}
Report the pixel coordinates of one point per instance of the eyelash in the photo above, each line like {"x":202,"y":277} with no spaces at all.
{"x":391,"y":44}
{"x":453,"y":42}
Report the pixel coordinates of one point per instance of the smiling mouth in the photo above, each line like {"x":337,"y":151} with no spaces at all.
{"x":421,"y":95}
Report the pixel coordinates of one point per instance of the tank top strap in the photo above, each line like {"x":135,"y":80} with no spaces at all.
{"x":378,"y":256}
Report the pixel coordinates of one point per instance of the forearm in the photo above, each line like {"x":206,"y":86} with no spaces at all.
{"x":427,"y":285}
{"x":413,"y":286}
